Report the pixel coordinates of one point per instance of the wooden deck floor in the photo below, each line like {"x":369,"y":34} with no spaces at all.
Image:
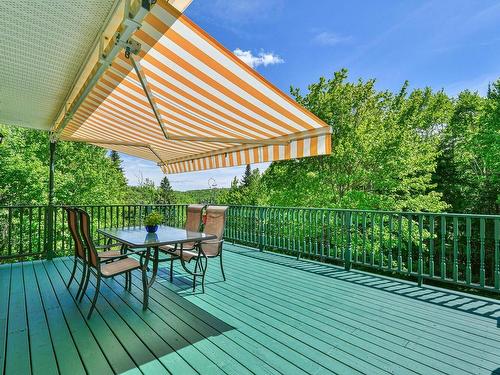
{"x":274,"y":314}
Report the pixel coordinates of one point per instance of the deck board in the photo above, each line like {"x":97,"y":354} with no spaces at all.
{"x":17,"y":358}
{"x":273,"y":315}
{"x":41,"y":349}
{"x":5,"y":273}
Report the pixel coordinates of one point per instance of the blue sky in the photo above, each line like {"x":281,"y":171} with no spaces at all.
{"x":445,"y":44}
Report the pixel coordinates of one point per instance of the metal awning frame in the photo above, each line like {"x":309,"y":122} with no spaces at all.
{"x":121,"y":41}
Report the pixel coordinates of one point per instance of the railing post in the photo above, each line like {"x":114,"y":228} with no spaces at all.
{"x":497,"y":253}
{"x":261,"y":228}
{"x":49,"y":245}
{"x":347,"y":253}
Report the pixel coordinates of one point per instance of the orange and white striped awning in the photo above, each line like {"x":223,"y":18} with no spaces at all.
{"x":187,"y":103}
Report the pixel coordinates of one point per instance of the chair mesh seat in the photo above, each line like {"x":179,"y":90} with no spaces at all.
{"x":119,"y":266}
{"x":187,"y":255}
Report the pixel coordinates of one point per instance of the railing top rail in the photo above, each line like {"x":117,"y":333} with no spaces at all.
{"x":23,"y":206}
{"x":449,"y":214}
{"x":403,"y":213}
{"x":121,"y":205}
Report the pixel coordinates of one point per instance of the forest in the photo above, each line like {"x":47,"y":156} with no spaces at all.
{"x":412,"y":150}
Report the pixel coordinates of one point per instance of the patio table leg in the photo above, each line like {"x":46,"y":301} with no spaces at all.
{"x":145,"y":284}
{"x":155,"y":266}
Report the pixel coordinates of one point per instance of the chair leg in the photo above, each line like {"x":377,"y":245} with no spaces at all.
{"x":72,"y":274}
{"x":204,"y":268}
{"x":222,"y":267}
{"x":145,"y":290}
{"x":130,"y":281}
{"x":96,"y":294}
{"x":85,"y":284}
{"x":171,"y":269}
{"x":126,"y":280}
{"x":82,"y":280}
{"x":194,"y":276}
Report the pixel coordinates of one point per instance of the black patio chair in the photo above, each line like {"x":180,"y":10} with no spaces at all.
{"x":112,"y":265}
{"x":80,"y":254}
{"x":194,"y":222}
{"x":201,"y":252}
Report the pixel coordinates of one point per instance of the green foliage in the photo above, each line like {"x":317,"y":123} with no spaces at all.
{"x":145,"y":193}
{"x":468,"y":170}
{"x":247,"y":192}
{"x":383,"y":154}
{"x":199,"y":196}
{"x":84,"y":174}
{"x":153,"y":218}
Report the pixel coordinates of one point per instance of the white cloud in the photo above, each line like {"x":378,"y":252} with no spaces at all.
{"x":262,"y":58}
{"x":326,"y":38}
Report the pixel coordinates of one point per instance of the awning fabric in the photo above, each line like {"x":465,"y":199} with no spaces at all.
{"x":204,"y":94}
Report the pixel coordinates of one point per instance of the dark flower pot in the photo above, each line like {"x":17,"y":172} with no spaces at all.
{"x":151,"y":228}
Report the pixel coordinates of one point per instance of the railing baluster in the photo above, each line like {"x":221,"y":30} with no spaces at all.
{"x":389,"y":256}
{"x":364,"y":237}
{"x":9,"y":232}
{"x":30,"y":213}
{"x":468,"y":266}
{"x":355,"y":240}
{"x":21,"y":230}
{"x":443,"y":248}
{"x":497,"y":253}
{"x":40,"y":229}
{"x":372,"y":239}
{"x":400,"y":239}
{"x":431,"y":246}
{"x":420,"y":264}
{"x":455,"y":249}
{"x":481,"y":252}
{"x":381,"y":242}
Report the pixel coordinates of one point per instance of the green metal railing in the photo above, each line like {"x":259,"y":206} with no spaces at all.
{"x":454,"y":248}
{"x":24,"y":230}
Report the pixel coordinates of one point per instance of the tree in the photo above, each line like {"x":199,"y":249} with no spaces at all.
{"x":384,"y":151}
{"x":166,"y":194}
{"x":247,"y":177}
{"x":117,"y":161}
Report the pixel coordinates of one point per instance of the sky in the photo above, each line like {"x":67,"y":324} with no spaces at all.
{"x":445,"y":44}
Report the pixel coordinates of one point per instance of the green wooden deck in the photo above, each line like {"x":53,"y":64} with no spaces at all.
{"x":274,"y":314}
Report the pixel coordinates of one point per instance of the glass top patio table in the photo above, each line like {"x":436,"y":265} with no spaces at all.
{"x":135,"y":237}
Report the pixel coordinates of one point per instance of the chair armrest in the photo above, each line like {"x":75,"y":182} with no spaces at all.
{"x":100,"y":247}
{"x":130,"y":252}
{"x":211,"y":241}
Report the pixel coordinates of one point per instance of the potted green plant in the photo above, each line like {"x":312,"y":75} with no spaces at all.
{"x":152,"y":220}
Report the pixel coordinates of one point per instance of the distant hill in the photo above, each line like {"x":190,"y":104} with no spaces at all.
{"x":198,"y":196}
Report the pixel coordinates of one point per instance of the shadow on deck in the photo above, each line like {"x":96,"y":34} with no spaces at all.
{"x":486,"y":307}
{"x":273,"y":315}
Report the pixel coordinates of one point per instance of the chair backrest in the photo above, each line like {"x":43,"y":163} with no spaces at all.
{"x":215,"y":224}
{"x":193,"y":217}
{"x":84,"y":218}
{"x":74,"y":231}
